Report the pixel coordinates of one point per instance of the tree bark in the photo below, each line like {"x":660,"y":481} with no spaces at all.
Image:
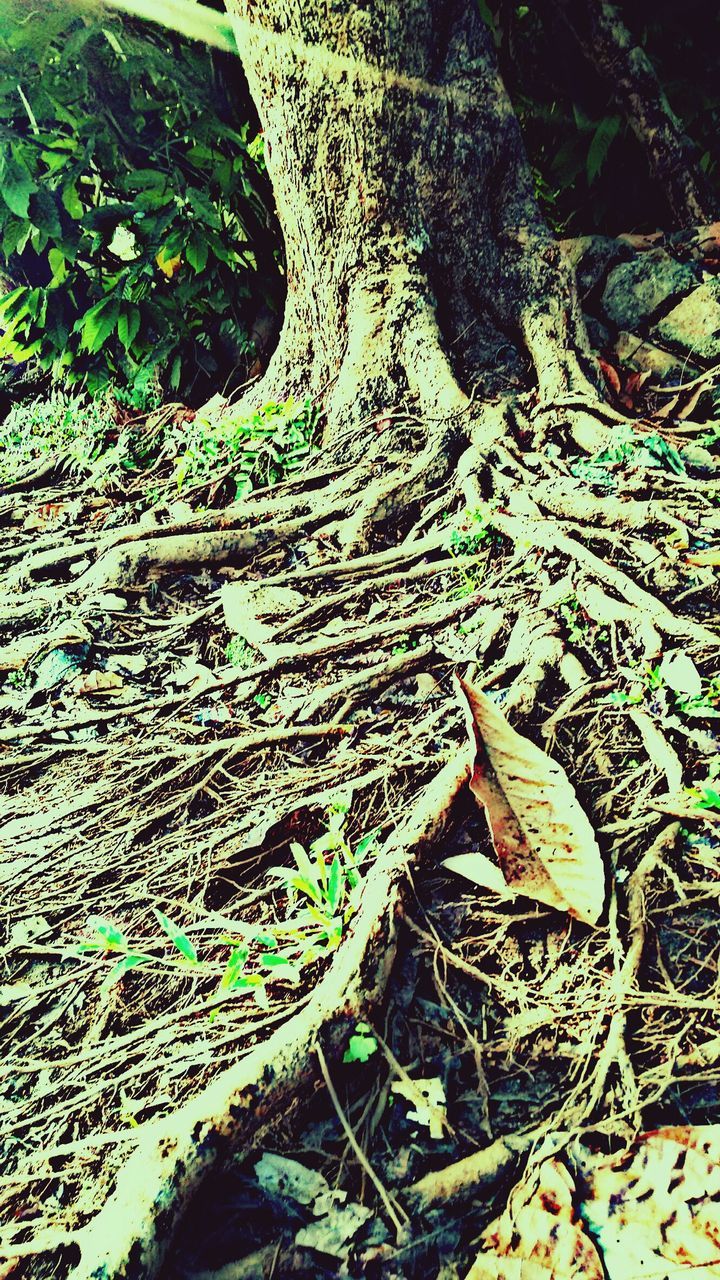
{"x":417,"y":259}
{"x":672,"y":156}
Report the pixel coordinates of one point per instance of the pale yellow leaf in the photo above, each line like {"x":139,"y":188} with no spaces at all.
{"x":656,"y":1208}
{"x":481,"y":871}
{"x":99,"y":684}
{"x":539,"y":1236}
{"x":545,"y":844}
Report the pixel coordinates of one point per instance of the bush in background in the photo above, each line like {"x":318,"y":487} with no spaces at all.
{"x":137,"y":238}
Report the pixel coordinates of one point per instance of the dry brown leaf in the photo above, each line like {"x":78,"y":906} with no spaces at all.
{"x":710,"y":556}
{"x":539,"y":1236}
{"x":652,"y":1211}
{"x":656,"y":1209}
{"x":544,"y":842}
{"x":99,"y":684}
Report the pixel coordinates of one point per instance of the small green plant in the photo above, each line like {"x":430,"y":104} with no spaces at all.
{"x":404,"y":645}
{"x":239,"y":653}
{"x":361,"y":1045}
{"x":322,"y":891}
{"x":573,"y":616}
{"x":326,"y":891}
{"x":472,"y":535}
{"x":18,"y":679}
{"x":705,"y":793}
{"x":703,"y":706}
{"x":61,"y":423}
{"x":260,"y":450}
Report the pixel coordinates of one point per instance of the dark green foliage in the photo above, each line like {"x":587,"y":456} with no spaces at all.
{"x":591,"y":173}
{"x":135,"y":212}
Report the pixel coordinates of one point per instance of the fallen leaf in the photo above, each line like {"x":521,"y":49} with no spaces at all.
{"x":333,"y":1233}
{"x":59,"y":665}
{"x":193,"y":675}
{"x":650,"y":1211}
{"x":610,"y":374}
{"x":99,"y":684}
{"x":680,"y":673}
{"x":711,"y":556}
{"x":483,"y":872}
{"x":246,"y":603}
{"x":131,"y":663}
{"x":540,"y":1235}
{"x":428,"y":1101}
{"x":280,"y":1176}
{"x":48,"y":513}
{"x":656,"y":1210}
{"x":543,"y":839}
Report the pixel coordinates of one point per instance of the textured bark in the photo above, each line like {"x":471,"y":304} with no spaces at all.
{"x":416,"y":254}
{"x":635,"y":88}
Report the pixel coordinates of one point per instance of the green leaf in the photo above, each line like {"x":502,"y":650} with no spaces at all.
{"x":361,"y":1046}
{"x":196,"y":252}
{"x":11,"y":304}
{"x":16,"y":187}
{"x":234,"y":968}
{"x":281,"y":967}
{"x":266,"y":941}
{"x":600,"y":144}
{"x":98,"y":324}
{"x":335,"y":884}
{"x":706,"y":797}
{"x":72,"y":202}
{"x":128,"y":326}
{"x":176,"y":936}
{"x":367,"y":842}
{"x":58,"y":266}
{"x":119,"y":970}
{"x":113,"y":938}
{"x":306,"y":869}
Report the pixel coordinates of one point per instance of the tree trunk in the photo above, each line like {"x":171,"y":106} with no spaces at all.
{"x":424,"y":294}
{"x":417,"y":260}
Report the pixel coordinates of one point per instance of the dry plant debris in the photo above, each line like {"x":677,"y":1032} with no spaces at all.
{"x":192,"y":696}
{"x":650,"y":1210}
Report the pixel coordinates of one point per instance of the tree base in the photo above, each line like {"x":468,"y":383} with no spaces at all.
{"x":485,"y":538}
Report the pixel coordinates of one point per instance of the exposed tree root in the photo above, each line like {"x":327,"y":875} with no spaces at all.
{"x":485,"y":561}
{"x":131,"y":1234}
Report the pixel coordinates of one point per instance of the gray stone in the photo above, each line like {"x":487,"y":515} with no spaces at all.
{"x":599,"y":254}
{"x":637,"y":353}
{"x":694,"y":324}
{"x":636,"y":289}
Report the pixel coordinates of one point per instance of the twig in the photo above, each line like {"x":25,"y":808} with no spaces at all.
{"x":392,"y":1211}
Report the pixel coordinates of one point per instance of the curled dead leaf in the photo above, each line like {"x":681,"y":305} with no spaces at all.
{"x":99,"y":684}
{"x":540,"y":1235}
{"x":544,"y":841}
{"x":652,"y":1210}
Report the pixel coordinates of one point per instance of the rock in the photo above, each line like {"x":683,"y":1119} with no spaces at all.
{"x":113,"y":603}
{"x":694,"y":324}
{"x":636,"y":289}
{"x":699,"y":459}
{"x":644,"y":356}
{"x":598,"y":255}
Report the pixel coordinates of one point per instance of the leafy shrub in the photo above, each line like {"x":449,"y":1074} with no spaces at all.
{"x":135,"y":213}
{"x":59,"y":424}
{"x":255,"y":451}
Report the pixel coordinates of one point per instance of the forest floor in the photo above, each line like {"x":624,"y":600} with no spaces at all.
{"x":233,"y":779}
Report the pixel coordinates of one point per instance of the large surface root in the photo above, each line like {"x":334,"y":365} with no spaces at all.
{"x":179,"y":787}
